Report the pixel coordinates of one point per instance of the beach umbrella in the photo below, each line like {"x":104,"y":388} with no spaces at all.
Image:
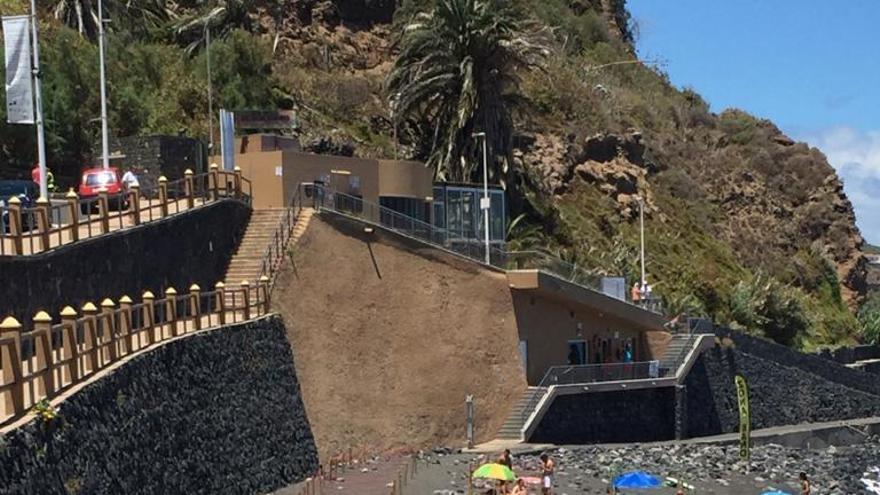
{"x":636,"y":479}
{"x":775,"y":492}
{"x":494,"y":472}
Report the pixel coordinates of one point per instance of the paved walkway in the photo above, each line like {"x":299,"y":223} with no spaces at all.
{"x":373,"y":477}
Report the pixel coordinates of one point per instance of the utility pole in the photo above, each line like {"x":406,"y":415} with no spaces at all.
{"x":210,"y":89}
{"x":642,"y":235}
{"x":105,"y":140}
{"x":485,"y":203}
{"x":38,"y":101}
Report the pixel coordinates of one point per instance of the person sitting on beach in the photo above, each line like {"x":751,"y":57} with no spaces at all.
{"x":520,"y":488}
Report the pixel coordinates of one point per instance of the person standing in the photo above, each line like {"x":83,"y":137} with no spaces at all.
{"x":635,"y":293}
{"x":806,"y":489}
{"x":130,"y":179}
{"x":547,"y":469}
{"x":505,"y":460}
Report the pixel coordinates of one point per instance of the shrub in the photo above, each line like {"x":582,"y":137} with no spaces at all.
{"x":765,"y":305}
{"x":869,"y":317}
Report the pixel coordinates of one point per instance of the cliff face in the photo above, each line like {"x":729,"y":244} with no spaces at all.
{"x":727,"y":195}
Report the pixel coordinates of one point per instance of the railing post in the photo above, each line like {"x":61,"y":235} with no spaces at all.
{"x":69,"y":349}
{"x":134,"y":203}
{"x":10,"y":360}
{"x":42,"y":331}
{"x":214,"y":181}
{"x":43,"y":222}
{"x":163,"y":196}
{"x":171,"y":309}
{"x":264,"y":287}
{"x":189,"y":185}
{"x":195,"y":305}
{"x":149,"y":323}
{"x":104,"y":210}
{"x":15,"y":230}
{"x":246,"y":289}
{"x":90,"y":324}
{"x":73,"y":209}
{"x":126,"y":325}
{"x":220,"y":289}
{"x":237,"y":171}
{"x":108,"y":333}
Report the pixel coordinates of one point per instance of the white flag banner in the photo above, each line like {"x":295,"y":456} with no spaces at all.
{"x":19,"y":81}
{"x":227,"y":139}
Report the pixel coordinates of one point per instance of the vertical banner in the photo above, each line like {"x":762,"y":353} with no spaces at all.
{"x":745,"y":423}
{"x":19,"y":77}
{"x":227,"y":139}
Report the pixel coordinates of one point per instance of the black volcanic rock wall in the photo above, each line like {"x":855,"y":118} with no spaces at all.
{"x":778,"y":394}
{"x":191,"y":247}
{"x":620,"y":416}
{"x":217,"y":412}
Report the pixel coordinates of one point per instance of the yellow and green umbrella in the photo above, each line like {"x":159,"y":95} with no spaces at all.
{"x":494,"y":472}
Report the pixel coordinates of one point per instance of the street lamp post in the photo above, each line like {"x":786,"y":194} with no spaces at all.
{"x":38,"y":102}
{"x":485,"y":203}
{"x":642,"y":236}
{"x":210,"y":89}
{"x":105,"y":142}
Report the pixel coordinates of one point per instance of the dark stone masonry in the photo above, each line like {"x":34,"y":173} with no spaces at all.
{"x":217,"y":412}
{"x":778,"y":394}
{"x":191,"y":247}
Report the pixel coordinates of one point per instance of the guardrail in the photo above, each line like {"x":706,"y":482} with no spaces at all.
{"x":346,"y":204}
{"x":47,"y":359}
{"x":28,"y":230}
{"x":276,"y":250}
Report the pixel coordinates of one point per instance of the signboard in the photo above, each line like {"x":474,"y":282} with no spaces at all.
{"x":745,"y":424}
{"x":256,"y":119}
{"x":19,"y":76}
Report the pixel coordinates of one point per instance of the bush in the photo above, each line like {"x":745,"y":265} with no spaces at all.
{"x":869,"y":317}
{"x":775,"y":310}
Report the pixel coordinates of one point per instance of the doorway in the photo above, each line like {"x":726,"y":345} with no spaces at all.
{"x":577,"y":352}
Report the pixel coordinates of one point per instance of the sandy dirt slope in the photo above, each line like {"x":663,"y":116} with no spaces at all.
{"x":389,"y":337}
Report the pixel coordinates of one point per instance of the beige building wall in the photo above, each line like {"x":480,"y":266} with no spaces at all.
{"x":548,"y":324}
{"x":262,"y":170}
{"x":405,"y":179}
{"x":341,"y":171}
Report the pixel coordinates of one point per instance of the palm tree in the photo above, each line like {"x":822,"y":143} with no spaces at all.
{"x":82,"y":15}
{"x":224,"y":17}
{"x":456,"y":74}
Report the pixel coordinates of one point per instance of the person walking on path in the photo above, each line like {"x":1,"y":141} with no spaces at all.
{"x":547,"y":469}
{"x":806,"y":489}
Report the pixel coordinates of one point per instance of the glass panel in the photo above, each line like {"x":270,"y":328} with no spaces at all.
{"x":468,"y":214}
{"x":496,"y":216}
{"x":454,"y":213}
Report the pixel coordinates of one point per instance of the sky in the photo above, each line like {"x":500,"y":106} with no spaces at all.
{"x":810,"y":66}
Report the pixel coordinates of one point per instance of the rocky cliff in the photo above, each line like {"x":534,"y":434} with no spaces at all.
{"x":727,"y":195}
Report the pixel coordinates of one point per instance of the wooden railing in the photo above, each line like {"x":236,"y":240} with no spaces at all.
{"x":357,"y":459}
{"x":47,"y":359}
{"x":47,"y":225}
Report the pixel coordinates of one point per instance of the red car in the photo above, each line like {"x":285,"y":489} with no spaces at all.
{"x":96,"y":179}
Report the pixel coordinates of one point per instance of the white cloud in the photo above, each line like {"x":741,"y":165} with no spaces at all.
{"x":856,"y":157}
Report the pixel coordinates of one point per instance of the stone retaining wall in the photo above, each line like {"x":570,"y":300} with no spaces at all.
{"x":778,"y":394}
{"x":191,"y":247}
{"x":216,"y":412}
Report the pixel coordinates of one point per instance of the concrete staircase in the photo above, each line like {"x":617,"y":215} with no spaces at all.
{"x":512,"y":427}
{"x":675,"y":354}
{"x":247,"y":261}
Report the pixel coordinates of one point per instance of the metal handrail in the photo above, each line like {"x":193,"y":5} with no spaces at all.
{"x":346,"y":204}
{"x":274,"y":253}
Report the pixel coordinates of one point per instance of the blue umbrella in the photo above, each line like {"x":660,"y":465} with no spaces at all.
{"x":636,"y":479}
{"x":775,"y":492}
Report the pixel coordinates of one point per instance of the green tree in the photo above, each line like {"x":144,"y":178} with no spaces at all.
{"x":129,"y":16}
{"x":771,"y":308}
{"x":456,"y":75}
{"x":869,"y":316}
{"x":223,"y":17}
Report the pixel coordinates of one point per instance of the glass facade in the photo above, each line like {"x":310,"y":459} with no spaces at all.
{"x":457,"y":209}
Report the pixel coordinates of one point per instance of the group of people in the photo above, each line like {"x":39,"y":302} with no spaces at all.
{"x":519,"y":487}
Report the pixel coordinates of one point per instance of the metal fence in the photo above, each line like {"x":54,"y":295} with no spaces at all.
{"x":27,"y":230}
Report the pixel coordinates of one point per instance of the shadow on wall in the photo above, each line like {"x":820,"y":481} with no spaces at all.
{"x":217,"y":412}
{"x":191,"y":247}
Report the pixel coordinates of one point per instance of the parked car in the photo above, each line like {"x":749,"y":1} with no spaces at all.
{"x":96,"y":179}
{"x":27,"y":192}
